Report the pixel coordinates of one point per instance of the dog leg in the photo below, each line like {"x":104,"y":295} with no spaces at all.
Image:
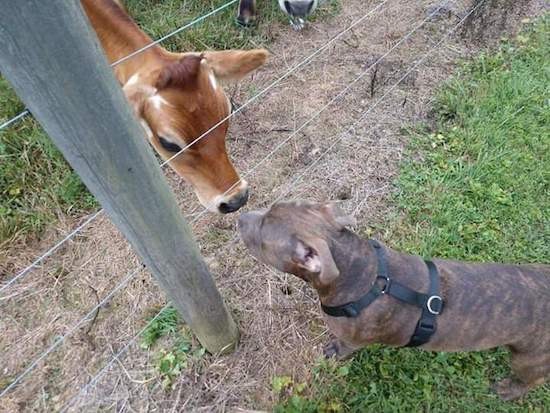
{"x":529,"y":370}
{"x":338,"y":349}
{"x":510,"y":388}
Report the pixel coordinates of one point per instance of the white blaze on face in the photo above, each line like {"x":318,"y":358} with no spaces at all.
{"x":133,"y":80}
{"x":158,"y":101}
{"x":213,"y":81}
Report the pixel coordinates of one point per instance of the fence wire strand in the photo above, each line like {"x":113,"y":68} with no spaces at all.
{"x":95,"y":379}
{"x":277,"y":81}
{"x":15,"y":119}
{"x":173,"y":33}
{"x":61,"y":339}
{"x":49,"y":252}
{"x":98,"y":375}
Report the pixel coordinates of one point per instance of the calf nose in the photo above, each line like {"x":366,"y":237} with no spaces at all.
{"x":299,"y":8}
{"x":234,"y":203}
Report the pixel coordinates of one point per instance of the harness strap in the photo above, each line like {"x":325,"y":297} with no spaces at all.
{"x":431,"y":303}
{"x":354,"y":308}
{"x":433,"y":306}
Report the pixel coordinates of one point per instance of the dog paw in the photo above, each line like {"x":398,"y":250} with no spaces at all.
{"x":509,"y":389}
{"x":338,"y":349}
{"x":331,"y":349}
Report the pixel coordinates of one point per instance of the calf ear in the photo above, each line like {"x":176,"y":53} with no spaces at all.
{"x":181,"y":73}
{"x":315,"y":257}
{"x":235,"y":64}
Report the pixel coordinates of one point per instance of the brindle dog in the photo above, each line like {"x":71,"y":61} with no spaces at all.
{"x":486,"y":305}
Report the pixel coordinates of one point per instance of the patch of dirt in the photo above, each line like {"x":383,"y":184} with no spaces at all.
{"x":497,"y":19}
{"x":278,"y":315}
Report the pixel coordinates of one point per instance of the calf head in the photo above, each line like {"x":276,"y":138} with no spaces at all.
{"x":180,"y":99}
{"x":294,"y":237}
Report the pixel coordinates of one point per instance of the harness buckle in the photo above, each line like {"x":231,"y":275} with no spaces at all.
{"x":438,"y":304}
{"x":426,"y":326}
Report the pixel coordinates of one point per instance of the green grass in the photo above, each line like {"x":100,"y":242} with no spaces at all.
{"x":35,"y":181}
{"x":177,"y":350}
{"x":166,"y":323}
{"x":475,"y":188}
{"x":218,"y":32}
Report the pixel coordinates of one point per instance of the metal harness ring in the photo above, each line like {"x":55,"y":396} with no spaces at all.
{"x":429,"y":304}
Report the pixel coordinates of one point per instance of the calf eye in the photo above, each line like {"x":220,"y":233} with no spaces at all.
{"x":169,"y":146}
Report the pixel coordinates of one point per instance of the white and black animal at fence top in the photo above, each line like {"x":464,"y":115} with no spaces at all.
{"x":297,"y":11}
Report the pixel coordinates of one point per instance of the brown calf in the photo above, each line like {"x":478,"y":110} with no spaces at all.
{"x":177,"y":98}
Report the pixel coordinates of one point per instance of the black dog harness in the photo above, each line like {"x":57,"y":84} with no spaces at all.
{"x":431,"y":303}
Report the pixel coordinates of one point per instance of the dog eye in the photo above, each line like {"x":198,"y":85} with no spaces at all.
{"x":169,"y":146}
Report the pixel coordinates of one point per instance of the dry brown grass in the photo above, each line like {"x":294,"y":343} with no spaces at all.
{"x":278,"y":315}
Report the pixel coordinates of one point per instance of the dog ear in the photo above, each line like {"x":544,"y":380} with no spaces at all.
{"x":315,"y":257}
{"x":337,"y":216}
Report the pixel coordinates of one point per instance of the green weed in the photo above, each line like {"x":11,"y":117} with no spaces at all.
{"x":176,"y":351}
{"x":35,"y":181}
{"x":166,"y":323}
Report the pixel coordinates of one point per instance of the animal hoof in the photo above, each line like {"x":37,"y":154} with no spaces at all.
{"x":244,"y":22}
{"x":509,"y":389}
{"x":297,"y":23}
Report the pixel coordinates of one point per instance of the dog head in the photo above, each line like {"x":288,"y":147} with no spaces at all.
{"x":295,"y":237}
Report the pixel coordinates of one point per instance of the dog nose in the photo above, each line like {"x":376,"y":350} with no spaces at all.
{"x":299,"y":8}
{"x":234,"y":203}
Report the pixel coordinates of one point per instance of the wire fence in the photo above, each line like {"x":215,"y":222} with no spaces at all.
{"x":263,"y":92}
{"x":288,"y":187}
{"x":93,"y":381}
{"x":91,"y":218}
{"x":186,"y":26}
{"x":14,"y":119}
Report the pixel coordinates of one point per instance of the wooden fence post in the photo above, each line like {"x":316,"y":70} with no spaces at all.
{"x":51,"y":56}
